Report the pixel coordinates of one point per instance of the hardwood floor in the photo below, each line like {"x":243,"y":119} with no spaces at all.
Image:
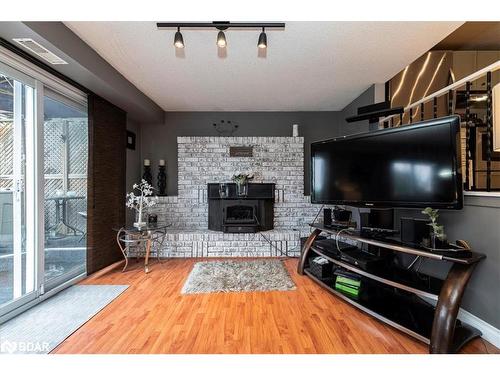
{"x":151,"y":316}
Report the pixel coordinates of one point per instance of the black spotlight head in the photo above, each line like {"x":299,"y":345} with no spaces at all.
{"x":262,"y":39}
{"x":178,"y":40}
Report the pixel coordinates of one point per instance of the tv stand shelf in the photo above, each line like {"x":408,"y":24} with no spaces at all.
{"x":365,"y":306}
{"x":430,"y":292}
{"x":392,"y":295}
{"x":395,"y":245}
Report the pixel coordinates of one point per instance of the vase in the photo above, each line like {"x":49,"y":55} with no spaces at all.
{"x":162,"y":181}
{"x":241,"y":189}
{"x":437,"y":243}
{"x":139,"y":223}
{"x":147,"y":176}
{"x":223,"y":190}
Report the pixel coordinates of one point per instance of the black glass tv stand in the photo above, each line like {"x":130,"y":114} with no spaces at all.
{"x":394,"y":296}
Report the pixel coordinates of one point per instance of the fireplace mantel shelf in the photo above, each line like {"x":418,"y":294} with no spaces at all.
{"x":260,"y":191}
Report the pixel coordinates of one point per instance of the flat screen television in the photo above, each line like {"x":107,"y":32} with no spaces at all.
{"x":412,"y":166}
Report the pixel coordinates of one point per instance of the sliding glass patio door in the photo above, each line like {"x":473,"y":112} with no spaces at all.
{"x":43,"y":184}
{"x":17,"y":250}
{"x":65,"y":133}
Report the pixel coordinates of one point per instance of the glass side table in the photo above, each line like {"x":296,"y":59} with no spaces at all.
{"x":134,"y":242}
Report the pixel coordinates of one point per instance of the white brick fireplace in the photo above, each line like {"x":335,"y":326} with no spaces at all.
{"x":203,"y":160}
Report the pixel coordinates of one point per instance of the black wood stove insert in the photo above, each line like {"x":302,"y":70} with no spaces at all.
{"x":241,"y":214}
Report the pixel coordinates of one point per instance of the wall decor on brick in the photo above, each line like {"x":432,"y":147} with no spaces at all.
{"x":241,"y":151}
{"x":203,"y":160}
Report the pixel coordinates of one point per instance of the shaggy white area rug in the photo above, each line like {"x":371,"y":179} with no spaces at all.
{"x":238,"y":276}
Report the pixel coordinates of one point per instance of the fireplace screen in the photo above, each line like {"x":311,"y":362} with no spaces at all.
{"x":240,"y":214}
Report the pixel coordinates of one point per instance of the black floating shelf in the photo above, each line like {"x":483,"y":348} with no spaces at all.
{"x":375,"y":115}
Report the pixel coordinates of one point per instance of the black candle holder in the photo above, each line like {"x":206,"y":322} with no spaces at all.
{"x":147,"y":176}
{"x":162,"y":181}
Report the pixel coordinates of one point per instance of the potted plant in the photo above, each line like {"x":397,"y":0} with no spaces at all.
{"x":141,"y":202}
{"x":241,"y":181}
{"x":438,"y":237}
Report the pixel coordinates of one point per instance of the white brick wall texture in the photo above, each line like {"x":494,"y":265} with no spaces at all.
{"x":202,"y":160}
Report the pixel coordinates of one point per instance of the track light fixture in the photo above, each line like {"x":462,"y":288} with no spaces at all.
{"x":262,"y":39}
{"x":178,"y":40}
{"x":221,"y":39}
{"x":221,"y":26}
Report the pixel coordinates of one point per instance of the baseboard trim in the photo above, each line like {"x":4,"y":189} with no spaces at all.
{"x":490,"y":333}
{"x":105,"y":270}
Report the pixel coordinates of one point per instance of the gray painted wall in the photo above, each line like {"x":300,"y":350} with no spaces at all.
{"x":478,"y":223}
{"x":366,"y":98}
{"x":158,"y":140}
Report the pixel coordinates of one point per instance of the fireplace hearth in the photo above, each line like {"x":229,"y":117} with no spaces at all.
{"x":236,"y":214}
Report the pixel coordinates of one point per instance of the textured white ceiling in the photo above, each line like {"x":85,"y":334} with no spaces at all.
{"x":309,"y":66}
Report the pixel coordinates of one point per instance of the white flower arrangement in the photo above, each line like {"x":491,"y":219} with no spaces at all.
{"x":139,"y":202}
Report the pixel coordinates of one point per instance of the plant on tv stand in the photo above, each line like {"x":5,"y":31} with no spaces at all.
{"x":437,"y":230}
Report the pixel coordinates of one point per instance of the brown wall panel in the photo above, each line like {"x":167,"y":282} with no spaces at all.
{"x":106,"y":189}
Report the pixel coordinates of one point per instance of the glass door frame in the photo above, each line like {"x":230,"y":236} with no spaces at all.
{"x":39,"y":79}
{"x":78,"y":105}
{"x":32,"y":254}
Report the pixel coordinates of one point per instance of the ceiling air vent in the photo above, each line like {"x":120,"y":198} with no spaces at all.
{"x":40,"y":50}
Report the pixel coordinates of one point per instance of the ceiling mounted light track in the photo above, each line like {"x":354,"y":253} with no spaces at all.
{"x":221,"y":26}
